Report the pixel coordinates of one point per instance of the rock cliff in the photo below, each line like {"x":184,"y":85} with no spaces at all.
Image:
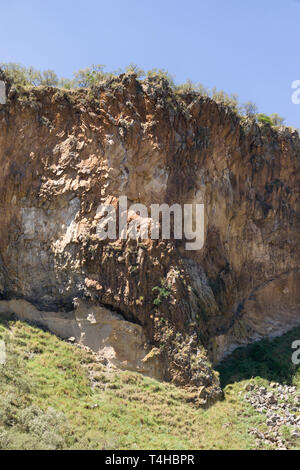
{"x":150,"y":305}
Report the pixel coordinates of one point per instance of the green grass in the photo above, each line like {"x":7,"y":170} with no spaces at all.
{"x":47,"y":402}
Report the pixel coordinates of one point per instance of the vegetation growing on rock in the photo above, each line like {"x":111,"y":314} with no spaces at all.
{"x":96,"y":75}
{"x":56,"y":396}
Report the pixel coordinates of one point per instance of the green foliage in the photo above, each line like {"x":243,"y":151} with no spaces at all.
{"x":163,"y":292}
{"x":273,"y":120}
{"x":161,"y":74}
{"x":17,"y":73}
{"x":218,"y":95}
{"x":189,"y":86}
{"x":28,"y":76}
{"x":49,"y":78}
{"x":140,"y":73}
{"x":277,"y":120}
{"x":186,"y":87}
{"x":50,"y":427}
{"x":249,"y":109}
{"x":264,"y":119}
{"x":86,"y":78}
{"x":95,"y":75}
{"x":47,"y":402}
{"x":270,"y":359}
{"x":229,"y":100}
{"x":66,"y":83}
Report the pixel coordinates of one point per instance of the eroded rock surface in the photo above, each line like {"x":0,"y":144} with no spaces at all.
{"x":62,"y":153}
{"x":117,"y":342}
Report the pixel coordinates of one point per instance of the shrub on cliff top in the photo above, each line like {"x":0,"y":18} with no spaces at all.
{"x":28,"y":76}
{"x":264,"y":119}
{"x":277,"y":120}
{"x":94,"y":75}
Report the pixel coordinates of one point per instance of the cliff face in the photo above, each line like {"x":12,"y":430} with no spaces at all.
{"x":64,"y":153}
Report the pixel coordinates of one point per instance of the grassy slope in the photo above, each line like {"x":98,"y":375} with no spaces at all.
{"x":47,"y":401}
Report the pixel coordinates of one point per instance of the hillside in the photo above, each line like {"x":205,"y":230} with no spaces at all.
{"x":57,"y":396}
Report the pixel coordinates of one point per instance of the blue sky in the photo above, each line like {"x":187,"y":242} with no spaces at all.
{"x":241,"y":46}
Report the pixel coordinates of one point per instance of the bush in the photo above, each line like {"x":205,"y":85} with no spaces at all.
{"x":249,"y":109}
{"x":264,"y":119}
{"x":94,"y":75}
{"x":86,"y":78}
{"x":16,"y":73}
{"x":140,"y":73}
{"x":50,"y":427}
{"x":163,"y":292}
{"x":277,"y":120}
{"x":29,"y":76}
{"x":161,"y":73}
